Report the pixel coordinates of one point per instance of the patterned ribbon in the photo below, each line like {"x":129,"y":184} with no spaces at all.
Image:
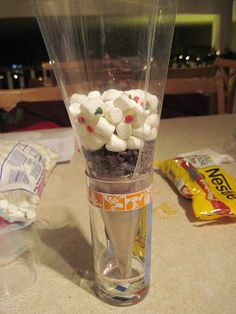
{"x":120,"y":202}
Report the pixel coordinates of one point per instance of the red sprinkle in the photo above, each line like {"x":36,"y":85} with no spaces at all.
{"x":81,"y":119}
{"x":129,"y":119}
{"x":142,"y":103}
{"x":136,"y":99}
{"x":90,"y":129}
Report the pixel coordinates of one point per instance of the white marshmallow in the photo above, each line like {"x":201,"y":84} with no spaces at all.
{"x":23,"y":209}
{"x":108,"y":103}
{"x":78,"y":98}
{"x":25,"y":204}
{"x":111,"y":94}
{"x":94,"y":94}
{"x":136,"y":92}
{"x":74,"y":109}
{"x":19,"y":214}
{"x":138,"y":121}
{"x":124,"y":130}
{"x":152,"y":120}
{"x":35,"y":199}
{"x":139,"y":109}
{"x":4,"y":204}
{"x":143,"y":131}
{"x":93,"y":141}
{"x":147,"y":112}
{"x":114,"y":115}
{"x":124,"y":102}
{"x":139,"y":116}
{"x":116,"y":144}
{"x":134,"y":143}
{"x":152,"y":101}
{"x":104,"y":128}
{"x":90,"y":110}
{"x":10,"y":218}
{"x":31,"y":214}
{"x":12,"y":208}
{"x":152,"y":135}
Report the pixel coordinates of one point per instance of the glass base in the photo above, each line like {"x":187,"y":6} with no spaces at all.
{"x":114,"y":290}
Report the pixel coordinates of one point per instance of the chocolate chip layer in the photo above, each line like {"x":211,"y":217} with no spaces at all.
{"x":108,"y":165}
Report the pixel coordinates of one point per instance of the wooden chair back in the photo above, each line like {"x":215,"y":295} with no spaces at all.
{"x":198,"y":80}
{"x":227,"y":69}
{"x":97,"y":69}
{"x":9,"y":98}
{"x":48,"y":74}
{"x":203,"y":71}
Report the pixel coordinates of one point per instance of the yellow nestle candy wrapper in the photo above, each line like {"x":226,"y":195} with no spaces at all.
{"x":198,"y":177}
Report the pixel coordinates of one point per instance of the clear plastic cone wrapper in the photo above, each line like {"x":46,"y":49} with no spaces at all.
{"x":110,"y":59}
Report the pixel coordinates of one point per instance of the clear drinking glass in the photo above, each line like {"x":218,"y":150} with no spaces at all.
{"x":19,"y":261}
{"x":121,"y":218}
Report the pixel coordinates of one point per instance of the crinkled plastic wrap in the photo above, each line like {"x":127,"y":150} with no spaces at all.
{"x":24,"y":168}
{"x":199,"y":177}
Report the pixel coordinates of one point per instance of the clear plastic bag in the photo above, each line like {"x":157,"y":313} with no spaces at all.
{"x":230,"y":145}
{"x":24,"y":168}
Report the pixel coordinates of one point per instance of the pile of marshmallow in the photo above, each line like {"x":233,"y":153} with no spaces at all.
{"x":119,"y":120}
{"x":25,"y":210}
{"x":17,"y":201}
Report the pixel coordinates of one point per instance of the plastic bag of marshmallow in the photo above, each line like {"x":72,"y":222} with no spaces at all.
{"x":24,"y":168}
{"x":198,"y":176}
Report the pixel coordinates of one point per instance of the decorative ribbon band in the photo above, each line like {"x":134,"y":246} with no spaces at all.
{"x":120,"y":202}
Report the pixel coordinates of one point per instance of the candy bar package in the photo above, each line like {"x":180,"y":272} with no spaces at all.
{"x":199,"y":177}
{"x":24,"y":168}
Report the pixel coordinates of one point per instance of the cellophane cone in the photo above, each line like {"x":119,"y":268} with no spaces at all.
{"x":121,"y":228}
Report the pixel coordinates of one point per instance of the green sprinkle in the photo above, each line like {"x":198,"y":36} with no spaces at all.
{"x":98,"y":111}
{"x":130,"y":97}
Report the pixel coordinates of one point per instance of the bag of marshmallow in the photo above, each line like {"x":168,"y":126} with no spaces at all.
{"x":24,"y":169}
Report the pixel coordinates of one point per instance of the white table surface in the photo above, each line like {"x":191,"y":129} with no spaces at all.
{"x":193,"y":264}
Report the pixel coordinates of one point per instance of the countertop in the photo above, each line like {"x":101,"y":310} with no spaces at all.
{"x":193,"y":263}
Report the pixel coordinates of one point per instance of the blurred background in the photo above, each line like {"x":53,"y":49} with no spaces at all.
{"x":201,"y":77}
{"x":204,"y":30}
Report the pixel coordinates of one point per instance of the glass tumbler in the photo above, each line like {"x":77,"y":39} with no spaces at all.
{"x":19,"y":261}
{"x":121,"y":219}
